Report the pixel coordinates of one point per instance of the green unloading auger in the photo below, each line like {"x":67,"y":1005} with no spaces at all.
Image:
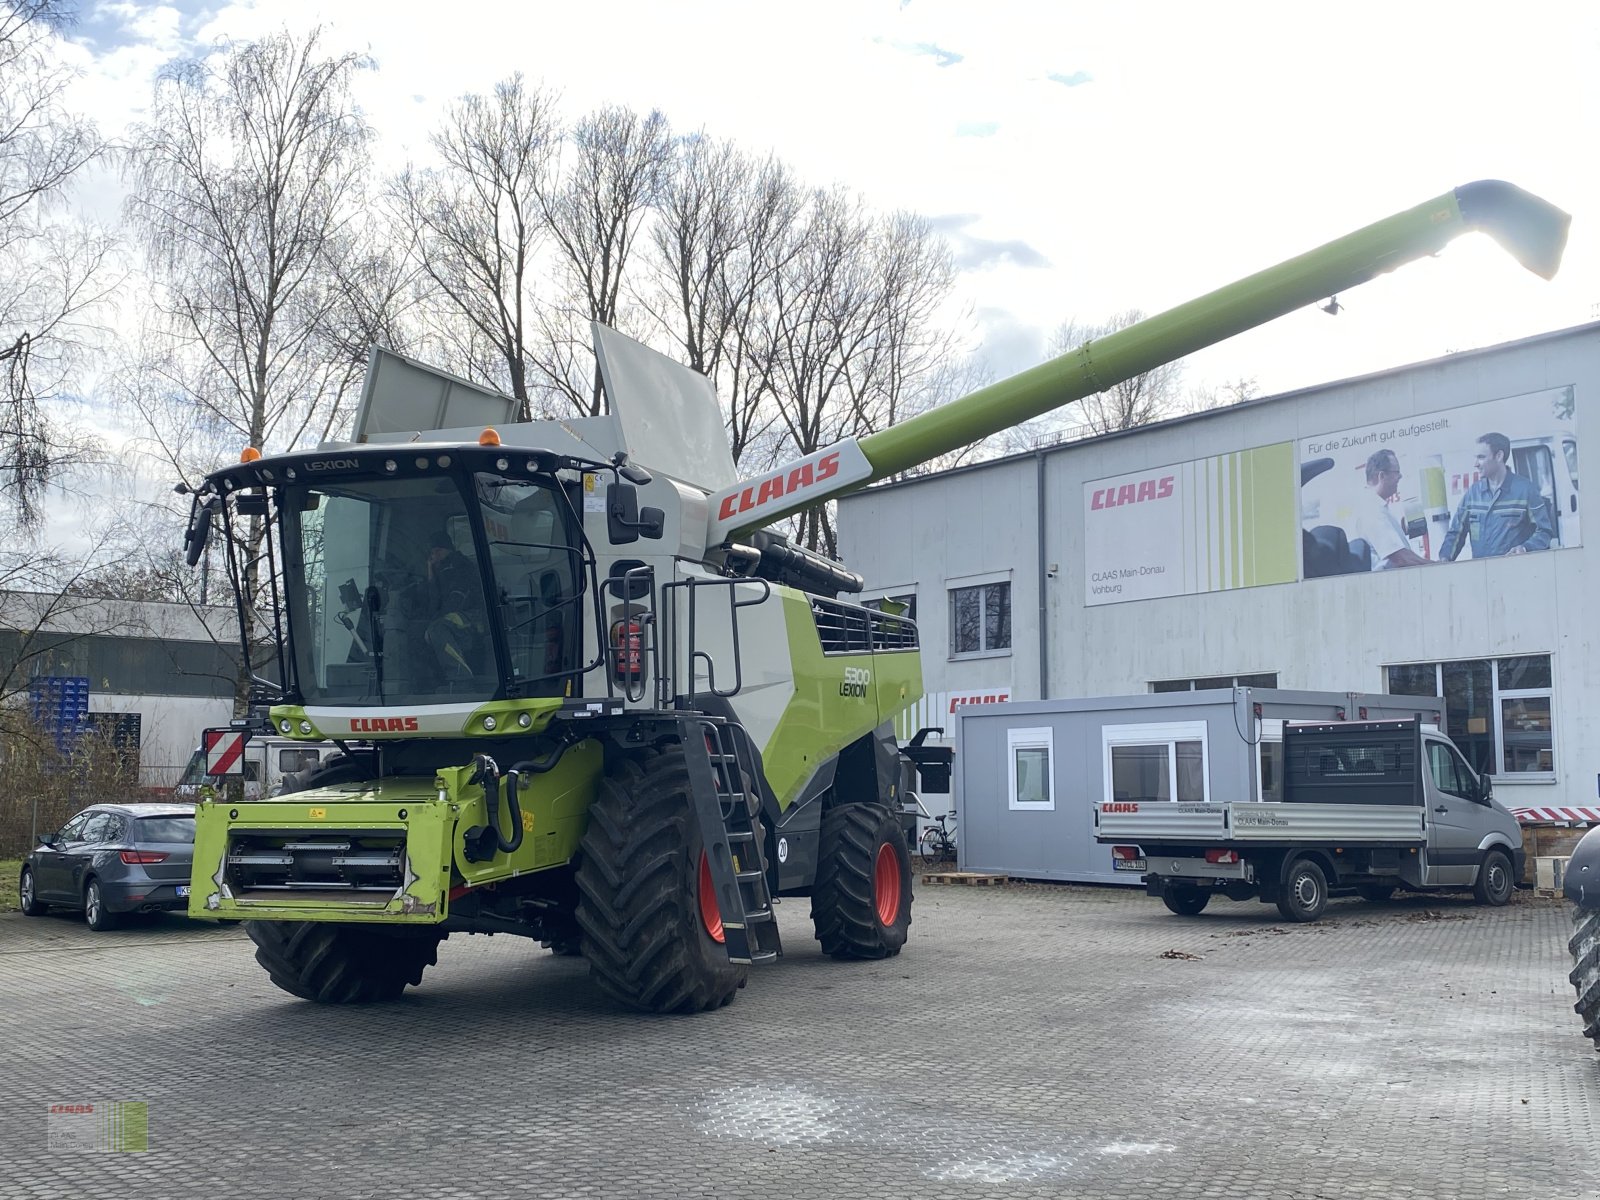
{"x":1533,"y":230}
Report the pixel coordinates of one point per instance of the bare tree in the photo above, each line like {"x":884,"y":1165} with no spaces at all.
{"x":850,"y":330}
{"x":476,"y":225}
{"x":722,"y":233}
{"x":53,"y":273}
{"x":1229,"y":391}
{"x":610,"y":178}
{"x":1136,"y":401}
{"x":247,"y":188}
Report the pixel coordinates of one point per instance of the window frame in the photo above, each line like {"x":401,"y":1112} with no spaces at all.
{"x":978,"y":583}
{"x":1038,"y":738}
{"x":1497,"y":710}
{"x":1168,"y":733}
{"x":1241,"y":679}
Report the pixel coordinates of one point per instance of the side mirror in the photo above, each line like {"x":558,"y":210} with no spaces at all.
{"x":1485,"y":789}
{"x":48,"y":840}
{"x":199,"y":531}
{"x":625,"y":520}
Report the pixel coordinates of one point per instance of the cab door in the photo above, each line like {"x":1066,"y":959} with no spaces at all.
{"x":1454,"y":817}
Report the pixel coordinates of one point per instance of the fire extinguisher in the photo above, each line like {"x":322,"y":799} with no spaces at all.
{"x":627,"y":645}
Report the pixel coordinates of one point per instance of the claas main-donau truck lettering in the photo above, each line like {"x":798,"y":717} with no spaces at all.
{"x":603,"y":705}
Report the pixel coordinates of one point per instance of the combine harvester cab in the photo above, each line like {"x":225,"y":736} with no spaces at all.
{"x":599,"y":704}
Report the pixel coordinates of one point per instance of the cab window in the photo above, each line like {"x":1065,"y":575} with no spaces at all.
{"x":1450,"y":774}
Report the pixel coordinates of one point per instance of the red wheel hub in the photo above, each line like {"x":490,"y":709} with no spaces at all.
{"x":886,"y":884}
{"x":710,"y":914}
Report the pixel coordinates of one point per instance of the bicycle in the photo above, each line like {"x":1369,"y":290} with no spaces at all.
{"x":938,"y":841}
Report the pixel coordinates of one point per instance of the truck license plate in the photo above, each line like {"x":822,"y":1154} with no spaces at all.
{"x":1128,"y":864}
{"x":183,"y":890}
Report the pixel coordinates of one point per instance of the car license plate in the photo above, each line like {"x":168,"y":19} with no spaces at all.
{"x":183,"y":890}
{"x":1128,"y":864}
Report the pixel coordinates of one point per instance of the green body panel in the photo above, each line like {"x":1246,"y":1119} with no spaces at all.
{"x":832,"y":705}
{"x":437,"y":814}
{"x":427,"y":825}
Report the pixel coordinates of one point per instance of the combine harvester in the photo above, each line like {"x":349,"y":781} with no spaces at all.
{"x":603,"y":706}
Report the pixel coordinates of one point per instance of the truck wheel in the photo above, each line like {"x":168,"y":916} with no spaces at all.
{"x":29,"y":894}
{"x":1375,"y":893}
{"x":341,"y":964}
{"x":861,"y":903}
{"x":1305,"y":892}
{"x":1494,"y":884}
{"x":1585,"y":977}
{"x":650,"y":940}
{"x":1186,"y":901}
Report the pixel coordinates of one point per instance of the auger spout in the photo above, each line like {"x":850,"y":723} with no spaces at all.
{"x":1531,"y":229}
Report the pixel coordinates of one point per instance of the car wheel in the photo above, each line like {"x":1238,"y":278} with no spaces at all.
{"x":95,"y":913}
{"x":31,"y":905}
{"x":1494,"y":885}
{"x":1305,"y":892}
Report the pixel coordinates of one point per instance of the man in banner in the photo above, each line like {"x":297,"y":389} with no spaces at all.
{"x":1502,"y":513}
{"x":1381,"y":527}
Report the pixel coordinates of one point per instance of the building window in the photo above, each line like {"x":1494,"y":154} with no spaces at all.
{"x":1031,"y":782}
{"x":1156,"y":762}
{"x":896,"y":604}
{"x":1499,"y":711}
{"x":1206,"y":683}
{"x":980,"y":620}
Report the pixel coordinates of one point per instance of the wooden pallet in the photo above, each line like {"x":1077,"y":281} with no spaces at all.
{"x":970,"y":878}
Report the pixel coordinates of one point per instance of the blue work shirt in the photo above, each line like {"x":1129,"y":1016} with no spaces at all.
{"x":1498,"y":522}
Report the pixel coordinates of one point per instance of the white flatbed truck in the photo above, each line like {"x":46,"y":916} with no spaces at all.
{"x":1370,"y":805}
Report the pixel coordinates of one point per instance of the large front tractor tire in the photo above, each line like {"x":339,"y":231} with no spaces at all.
{"x":342,"y":964}
{"x":646,"y":907}
{"x":1585,"y":977}
{"x":861,"y":904}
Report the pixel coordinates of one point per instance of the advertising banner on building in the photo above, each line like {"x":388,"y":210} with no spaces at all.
{"x":1485,"y":480}
{"x":1201,"y":526}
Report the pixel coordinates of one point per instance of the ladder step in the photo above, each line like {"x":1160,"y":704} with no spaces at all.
{"x":747,"y":876}
{"x":741,"y":836}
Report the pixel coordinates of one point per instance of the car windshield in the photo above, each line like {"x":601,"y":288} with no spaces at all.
{"x":163,"y":829}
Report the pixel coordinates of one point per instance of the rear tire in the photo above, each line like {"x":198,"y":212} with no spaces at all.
{"x":1494,"y":883}
{"x":1305,"y":892}
{"x":95,"y":913}
{"x":28,"y":893}
{"x":1585,"y":977}
{"x":1375,"y":893}
{"x":341,"y":964}
{"x":861,"y":903}
{"x":639,"y":893}
{"x":1186,"y":901}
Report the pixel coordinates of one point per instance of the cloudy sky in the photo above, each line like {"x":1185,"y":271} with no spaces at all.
{"x":1083,"y":157}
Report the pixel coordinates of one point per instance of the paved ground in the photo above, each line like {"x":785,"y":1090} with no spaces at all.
{"x":1031,"y":1041}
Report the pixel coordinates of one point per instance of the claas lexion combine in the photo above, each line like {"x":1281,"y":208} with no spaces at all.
{"x":583,"y":695}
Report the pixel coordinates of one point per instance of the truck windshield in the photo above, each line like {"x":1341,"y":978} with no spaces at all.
{"x":390,"y":602}
{"x":384,"y":593}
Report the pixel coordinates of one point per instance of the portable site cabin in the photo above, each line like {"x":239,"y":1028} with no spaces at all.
{"x":1030,"y":775}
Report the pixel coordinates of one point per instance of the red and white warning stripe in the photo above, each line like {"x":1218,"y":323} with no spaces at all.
{"x":1576,"y":816}
{"x":224,"y":751}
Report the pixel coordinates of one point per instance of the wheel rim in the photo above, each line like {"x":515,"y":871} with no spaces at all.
{"x":886,"y":884}
{"x":27,"y":889}
{"x":710,"y":913}
{"x":92,"y":904}
{"x":1497,"y":879}
{"x":1305,"y":892}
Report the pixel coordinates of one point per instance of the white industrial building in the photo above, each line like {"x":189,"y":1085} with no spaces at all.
{"x":167,"y":669}
{"x":1269,"y":545}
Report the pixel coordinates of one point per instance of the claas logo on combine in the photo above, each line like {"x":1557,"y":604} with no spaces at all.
{"x":383,"y":724}
{"x":782,"y":484}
